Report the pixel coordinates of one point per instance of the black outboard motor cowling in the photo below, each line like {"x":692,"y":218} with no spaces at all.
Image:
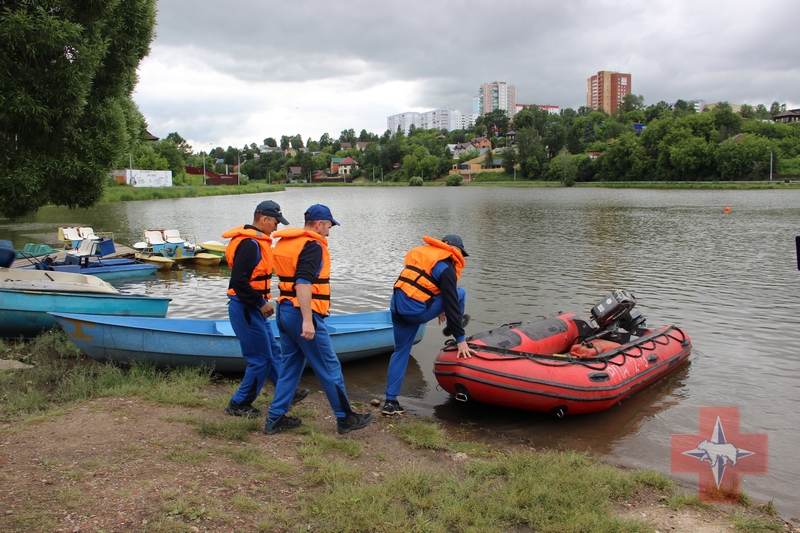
{"x":615,"y":312}
{"x":612,"y":307}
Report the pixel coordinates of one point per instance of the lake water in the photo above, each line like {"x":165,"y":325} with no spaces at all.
{"x":729,"y":279}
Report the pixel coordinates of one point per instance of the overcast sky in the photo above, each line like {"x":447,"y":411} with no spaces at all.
{"x":234,"y":72}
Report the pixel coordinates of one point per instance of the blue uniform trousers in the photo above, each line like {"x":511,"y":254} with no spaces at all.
{"x":259,"y":349}
{"x":405,"y":330}
{"x":320,"y":355}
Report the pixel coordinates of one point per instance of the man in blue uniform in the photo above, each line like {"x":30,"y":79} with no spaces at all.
{"x":303,"y":266}
{"x":250,"y":257}
{"x":426,"y":288}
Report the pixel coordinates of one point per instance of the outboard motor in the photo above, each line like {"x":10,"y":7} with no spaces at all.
{"x":615,"y":311}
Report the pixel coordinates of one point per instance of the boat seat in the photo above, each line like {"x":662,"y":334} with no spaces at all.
{"x":87,"y":248}
{"x":87,"y":233}
{"x":224,"y":328}
{"x":70,"y":234}
{"x":173,"y":236}
{"x":154,"y":237}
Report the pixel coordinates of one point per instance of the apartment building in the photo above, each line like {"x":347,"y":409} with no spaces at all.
{"x":443,"y":118}
{"x":606,"y":90}
{"x":554,"y":109}
{"x":496,"y":95}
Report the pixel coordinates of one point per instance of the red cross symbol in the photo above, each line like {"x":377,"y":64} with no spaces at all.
{"x":720,"y":454}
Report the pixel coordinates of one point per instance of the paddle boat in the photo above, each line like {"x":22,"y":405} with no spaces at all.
{"x":26,"y":297}
{"x":562,"y":364}
{"x":216,"y":248}
{"x":186,"y":341}
{"x":170,"y":244}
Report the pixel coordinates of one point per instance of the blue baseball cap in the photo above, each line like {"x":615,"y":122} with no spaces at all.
{"x":455,"y":240}
{"x":320,"y":212}
{"x":271,"y":209}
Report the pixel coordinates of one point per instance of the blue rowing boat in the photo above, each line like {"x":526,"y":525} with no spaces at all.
{"x":186,"y":341}
{"x":26,"y":297}
{"x":106,"y":269}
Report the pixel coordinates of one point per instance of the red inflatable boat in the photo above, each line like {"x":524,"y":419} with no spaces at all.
{"x":562,"y":364}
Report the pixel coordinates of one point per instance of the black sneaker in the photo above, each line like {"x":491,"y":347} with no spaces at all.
{"x":464,"y":322}
{"x":271,"y":427}
{"x":392,"y":407}
{"x":246,"y":411}
{"x":354,"y":421}
{"x":299,"y":395}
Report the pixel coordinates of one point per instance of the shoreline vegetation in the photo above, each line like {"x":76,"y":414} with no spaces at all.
{"x":86,"y":446}
{"x":125,"y":193}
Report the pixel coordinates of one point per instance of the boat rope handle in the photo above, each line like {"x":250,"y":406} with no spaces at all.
{"x":604,"y":360}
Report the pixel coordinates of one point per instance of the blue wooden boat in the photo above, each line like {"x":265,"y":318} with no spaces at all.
{"x":26,"y":297}
{"x":187,"y":341}
{"x":106,"y":269}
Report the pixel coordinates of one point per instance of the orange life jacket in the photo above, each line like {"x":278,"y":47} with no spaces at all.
{"x":415,"y":279}
{"x":261,"y":277}
{"x":593,"y":348}
{"x":286,"y":253}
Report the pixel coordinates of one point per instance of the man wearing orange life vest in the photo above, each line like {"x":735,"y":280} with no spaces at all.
{"x":303,"y":267}
{"x":250,"y":257}
{"x":427,"y":288}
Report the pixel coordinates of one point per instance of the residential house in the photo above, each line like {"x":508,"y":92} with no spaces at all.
{"x":361,"y":145}
{"x":793,"y":115}
{"x":346,"y":146}
{"x":335,"y":165}
{"x":294,"y":173}
{"x":347,"y":166}
{"x":458,"y":149}
{"x":481,"y":142}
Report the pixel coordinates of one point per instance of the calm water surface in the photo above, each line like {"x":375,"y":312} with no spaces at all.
{"x":729,"y":279}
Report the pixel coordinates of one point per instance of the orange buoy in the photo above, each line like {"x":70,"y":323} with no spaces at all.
{"x":727,"y":209}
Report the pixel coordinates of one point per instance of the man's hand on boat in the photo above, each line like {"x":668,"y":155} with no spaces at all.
{"x":464,"y":351}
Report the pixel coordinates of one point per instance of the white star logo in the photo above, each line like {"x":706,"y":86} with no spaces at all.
{"x":718,"y":452}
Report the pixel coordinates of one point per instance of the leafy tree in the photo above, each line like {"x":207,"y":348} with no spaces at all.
{"x":179,"y":142}
{"x":625,"y":160}
{"x":742,"y":157}
{"x":563,"y":168}
{"x":454,"y":180}
{"x":631,"y":102}
{"x":523,"y":119}
{"x":296,"y":142}
{"x":67,"y":71}
{"x":509,"y":160}
{"x":348,"y":136}
{"x":774,"y":109}
{"x":762,"y":113}
{"x":285,"y":142}
{"x":747,"y":111}
{"x":269,"y":141}
{"x":325,"y":141}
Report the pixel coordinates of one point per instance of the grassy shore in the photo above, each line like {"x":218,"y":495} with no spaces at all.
{"x":124,"y":193}
{"x":162,"y":457}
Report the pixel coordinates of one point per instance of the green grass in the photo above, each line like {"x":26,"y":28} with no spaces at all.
{"x":126,"y":193}
{"x":753,"y":524}
{"x":230,"y":428}
{"x":547,"y":492}
{"x":62,"y":375}
{"x":679,"y":501}
{"x":422,"y":434}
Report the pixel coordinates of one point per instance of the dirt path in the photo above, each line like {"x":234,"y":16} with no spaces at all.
{"x":124,"y":465}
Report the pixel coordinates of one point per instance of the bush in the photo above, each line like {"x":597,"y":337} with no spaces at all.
{"x":493,"y":176}
{"x":453,"y":180}
{"x":416,"y":181}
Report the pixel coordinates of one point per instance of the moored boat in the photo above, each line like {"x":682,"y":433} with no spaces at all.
{"x":102,"y":268}
{"x":562,"y":364}
{"x":216,"y":248}
{"x":171,"y":244}
{"x":187,"y":341}
{"x":26,"y":297}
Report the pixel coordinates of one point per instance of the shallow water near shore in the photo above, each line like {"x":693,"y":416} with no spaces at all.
{"x":729,"y":279}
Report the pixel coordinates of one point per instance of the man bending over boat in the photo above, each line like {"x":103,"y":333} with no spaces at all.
{"x":427,"y":288}
{"x":303,"y":266}
{"x":249,"y":255}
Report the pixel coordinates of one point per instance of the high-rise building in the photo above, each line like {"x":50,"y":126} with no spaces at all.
{"x":606,"y":90}
{"x":497,"y":95}
{"x":443,"y":118}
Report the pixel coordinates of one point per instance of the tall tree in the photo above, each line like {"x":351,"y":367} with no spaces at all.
{"x":67,"y":71}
